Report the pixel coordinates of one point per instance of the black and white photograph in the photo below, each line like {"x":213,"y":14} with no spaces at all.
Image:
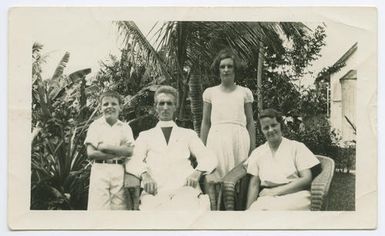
{"x":193,"y":118}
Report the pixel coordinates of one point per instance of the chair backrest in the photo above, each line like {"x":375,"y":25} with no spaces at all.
{"x":327,"y":166}
{"x":322,"y":182}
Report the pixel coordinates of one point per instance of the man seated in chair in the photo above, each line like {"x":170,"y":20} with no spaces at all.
{"x":161,"y":161}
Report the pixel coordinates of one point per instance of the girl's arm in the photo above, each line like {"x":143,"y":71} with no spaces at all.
{"x":253,"y":192}
{"x":250,"y":125}
{"x":206,"y":121}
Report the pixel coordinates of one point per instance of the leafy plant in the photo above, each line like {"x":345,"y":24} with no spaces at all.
{"x":60,"y":117}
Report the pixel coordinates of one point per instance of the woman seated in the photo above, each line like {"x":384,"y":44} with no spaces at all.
{"x":280,"y":169}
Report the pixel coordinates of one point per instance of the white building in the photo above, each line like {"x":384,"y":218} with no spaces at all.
{"x":342,"y":96}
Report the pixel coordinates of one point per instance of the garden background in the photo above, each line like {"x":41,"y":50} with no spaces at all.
{"x":278,"y":66}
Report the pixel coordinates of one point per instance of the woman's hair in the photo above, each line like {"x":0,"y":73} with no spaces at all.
{"x":224,"y":54}
{"x":112,"y":94}
{"x":167,"y":90}
{"x":271,"y":113}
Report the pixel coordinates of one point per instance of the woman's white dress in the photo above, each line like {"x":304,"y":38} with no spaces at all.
{"x":282,"y":168}
{"x":228,"y":136}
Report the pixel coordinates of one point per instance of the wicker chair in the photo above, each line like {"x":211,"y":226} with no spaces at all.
{"x":236,"y":182}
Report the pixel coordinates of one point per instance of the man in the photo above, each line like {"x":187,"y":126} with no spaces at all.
{"x":161,"y":161}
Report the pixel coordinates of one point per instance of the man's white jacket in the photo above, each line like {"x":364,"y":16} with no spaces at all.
{"x":169,"y":164}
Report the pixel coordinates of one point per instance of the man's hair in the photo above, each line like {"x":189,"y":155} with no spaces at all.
{"x":112,"y":94}
{"x":224,"y":54}
{"x":167,"y":90}
{"x":271,"y":113}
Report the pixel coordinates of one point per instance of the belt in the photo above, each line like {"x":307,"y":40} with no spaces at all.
{"x":117,"y":162}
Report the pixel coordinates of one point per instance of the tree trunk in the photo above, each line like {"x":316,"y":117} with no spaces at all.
{"x":259,"y":77}
{"x":196,"y":99}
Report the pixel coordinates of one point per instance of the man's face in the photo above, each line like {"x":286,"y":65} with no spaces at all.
{"x":165,"y":106}
{"x":110,"y":108}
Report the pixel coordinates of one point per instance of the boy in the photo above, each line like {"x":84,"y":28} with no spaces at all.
{"x":109,"y":145}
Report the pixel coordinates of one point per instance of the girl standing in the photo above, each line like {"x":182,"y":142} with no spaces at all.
{"x":228,"y":126}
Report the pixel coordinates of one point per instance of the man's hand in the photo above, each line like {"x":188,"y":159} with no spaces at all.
{"x":193,"y":179}
{"x":149,"y":184}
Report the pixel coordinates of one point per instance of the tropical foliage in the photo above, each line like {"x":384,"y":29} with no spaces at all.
{"x":60,"y":117}
{"x":275,"y":57}
{"x":185,"y":51}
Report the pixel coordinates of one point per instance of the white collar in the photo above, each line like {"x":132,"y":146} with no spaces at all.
{"x":103,"y":120}
{"x":166,"y":124}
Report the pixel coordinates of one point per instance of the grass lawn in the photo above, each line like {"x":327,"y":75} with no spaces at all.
{"x":342,"y":192}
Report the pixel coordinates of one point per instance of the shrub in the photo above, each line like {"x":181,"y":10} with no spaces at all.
{"x":60,"y":118}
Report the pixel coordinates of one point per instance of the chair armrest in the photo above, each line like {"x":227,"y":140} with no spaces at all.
{"x":131,"y":181}
{"x":213,"y":190}
{"x":320,"y":185}
{"x":132,"y":188}
{"x":228,"y":186}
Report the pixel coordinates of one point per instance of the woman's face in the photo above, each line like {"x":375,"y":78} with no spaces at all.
{"x":226,"y":70}
{"x":271,"y":129}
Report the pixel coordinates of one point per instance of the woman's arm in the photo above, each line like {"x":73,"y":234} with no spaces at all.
{"x":206,"y":121}
{"x":302,"y":183}
{"x":253,"y":192}
{"x":250,"y":125}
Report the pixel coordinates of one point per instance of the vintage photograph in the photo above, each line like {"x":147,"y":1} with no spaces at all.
{"x":193,"y":116}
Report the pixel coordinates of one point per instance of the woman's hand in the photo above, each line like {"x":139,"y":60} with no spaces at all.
{"x":268,"y":192}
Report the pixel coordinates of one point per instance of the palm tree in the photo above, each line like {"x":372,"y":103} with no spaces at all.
{"x":186,"y":49}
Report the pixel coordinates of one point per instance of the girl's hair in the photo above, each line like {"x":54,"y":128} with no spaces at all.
{"x":167,"y":90}
{"x":112,"y":94}
{"x":224,"y":54}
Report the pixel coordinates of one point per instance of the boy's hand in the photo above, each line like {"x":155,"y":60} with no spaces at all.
{"x":130,"y":148}
{"x":102,"y":146}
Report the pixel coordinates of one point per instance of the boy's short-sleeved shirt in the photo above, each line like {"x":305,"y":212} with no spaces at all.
{"x":282,"y":168}
{"x":101,"y":132}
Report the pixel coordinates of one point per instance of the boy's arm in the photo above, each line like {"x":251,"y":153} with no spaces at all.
{"x":122,"y":150}
{"x":95,"y":154}
{"x":126,"y":146}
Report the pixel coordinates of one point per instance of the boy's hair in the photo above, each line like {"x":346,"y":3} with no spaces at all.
{"x":112,"y":94}
{"x":271,"y":113}
{"x":167,"y":90}
{"x":224,"y":54}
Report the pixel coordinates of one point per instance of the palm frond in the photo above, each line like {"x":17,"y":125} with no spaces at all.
{"x":132,"y":35}
{"x":60,"y":68}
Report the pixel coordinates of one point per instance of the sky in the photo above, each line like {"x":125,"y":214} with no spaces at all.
{"x":91,"y":41}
